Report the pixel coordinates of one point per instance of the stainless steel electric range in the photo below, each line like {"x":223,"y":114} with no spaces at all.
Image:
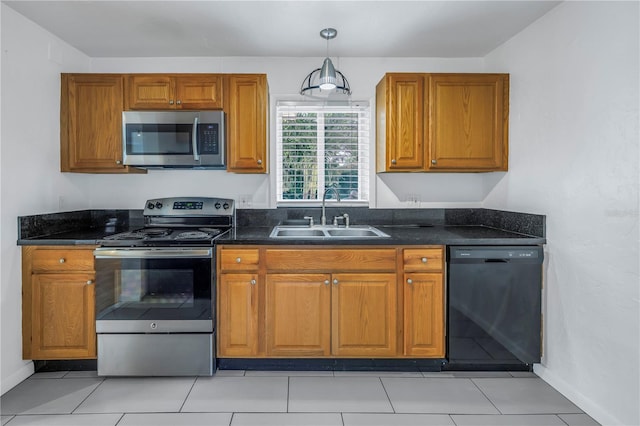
{"x":155,"y":290}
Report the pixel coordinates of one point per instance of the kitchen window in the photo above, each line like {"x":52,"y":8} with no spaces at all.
{"x":322,"y":145}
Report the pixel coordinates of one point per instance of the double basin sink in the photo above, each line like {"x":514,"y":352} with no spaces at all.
{"x":326,"y":232}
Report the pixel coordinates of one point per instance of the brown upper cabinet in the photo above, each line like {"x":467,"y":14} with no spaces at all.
{"x":91,"y":123}
{"x":173,"y":91}
{"x":442,"y":122}
{"x":91,"y":107}
{"x":246,"y":107}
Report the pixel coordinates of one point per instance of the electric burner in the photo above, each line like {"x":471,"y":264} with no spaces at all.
{"x":178,"y":221}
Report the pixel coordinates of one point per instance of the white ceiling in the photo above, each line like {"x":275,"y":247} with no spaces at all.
{"x":283,"y":28}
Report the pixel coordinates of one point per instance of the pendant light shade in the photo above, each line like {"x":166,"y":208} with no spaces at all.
{"x":327,"y":77}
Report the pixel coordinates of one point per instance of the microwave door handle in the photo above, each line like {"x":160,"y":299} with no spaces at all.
{"x":194,"y":139}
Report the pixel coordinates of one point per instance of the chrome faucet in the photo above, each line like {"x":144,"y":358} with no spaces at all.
{"x":323,"y":218}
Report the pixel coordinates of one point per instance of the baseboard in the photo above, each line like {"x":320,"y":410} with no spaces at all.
{"x":587,"y":405}
{"x":19,"y":376}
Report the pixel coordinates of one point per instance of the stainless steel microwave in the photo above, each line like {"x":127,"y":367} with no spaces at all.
{"x":174,"y":139}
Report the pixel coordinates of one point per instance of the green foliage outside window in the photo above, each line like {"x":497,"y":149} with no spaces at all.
{"x":337,"y":150}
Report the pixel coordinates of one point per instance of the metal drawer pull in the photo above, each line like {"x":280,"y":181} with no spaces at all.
{"x":61,"y":260}
{"x":335,"y":281}
{"x":326,"y":282}
{"x":89,"y":282}
{"x":238,"y":260}
{"x":409,"y":281}
{"x":424,"y":260}
{"x":253,"y":282}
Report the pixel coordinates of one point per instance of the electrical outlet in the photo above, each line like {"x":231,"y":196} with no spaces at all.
{"x":412,"y":199}
{"x":245,"y":201}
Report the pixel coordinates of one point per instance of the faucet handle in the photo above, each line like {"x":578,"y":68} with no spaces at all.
{"x":310,"y":219}
{"x":344,"y":217}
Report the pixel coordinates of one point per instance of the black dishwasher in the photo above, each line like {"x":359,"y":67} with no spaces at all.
{"x":494,"y":307}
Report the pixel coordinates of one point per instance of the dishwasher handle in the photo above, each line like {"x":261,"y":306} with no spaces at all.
{"x":495,"y":254}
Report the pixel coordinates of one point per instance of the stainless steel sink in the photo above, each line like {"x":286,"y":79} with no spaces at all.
{"x":298,"y":233}
{"x":328,"y":232}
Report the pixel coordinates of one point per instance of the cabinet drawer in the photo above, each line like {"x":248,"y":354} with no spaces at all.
{"x":421,"y":260}
{"x":331,"y":260}
{"x":239,"y":259}
{"x":62,"y":260}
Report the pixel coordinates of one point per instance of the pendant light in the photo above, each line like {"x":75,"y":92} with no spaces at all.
{"x":327,"y":77}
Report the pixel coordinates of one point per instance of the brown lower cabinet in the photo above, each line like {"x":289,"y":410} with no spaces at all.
{"x":58,"y":313}
{"x":330,"y":301}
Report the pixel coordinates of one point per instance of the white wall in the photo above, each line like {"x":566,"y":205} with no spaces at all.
{"x":574,"y":157}
{"x":31,"y":181}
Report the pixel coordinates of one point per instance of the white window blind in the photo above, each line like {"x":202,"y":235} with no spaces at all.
{"x":321,"y":146}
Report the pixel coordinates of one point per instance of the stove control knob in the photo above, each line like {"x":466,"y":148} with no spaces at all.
{"x":150,"y":206}
{"x":158,"y":205}
{"x":226,"y":206}
{"x":217,"y":205}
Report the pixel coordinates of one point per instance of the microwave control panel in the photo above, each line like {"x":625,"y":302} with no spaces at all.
{"x":209,"y":142}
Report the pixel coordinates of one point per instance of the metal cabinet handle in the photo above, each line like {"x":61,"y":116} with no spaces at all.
{"x":409,"y":281}
{"x":424,"y":260}
{"x":335,"y":281}
{"x":253,"y":282}
{"x":238,"y":260}
{"x":393,"y":161}
{"x":259,"y":162}
{"x":62,"y":260}
{"x":434,"y":161}
{"x":118,"y":162}
{"x":179,"y":102}
{"x":326,"y":282}
{"x":89,"y":282}
{"x":171,"y":102}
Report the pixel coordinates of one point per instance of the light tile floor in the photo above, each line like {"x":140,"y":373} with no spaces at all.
{"x":290,"y":398}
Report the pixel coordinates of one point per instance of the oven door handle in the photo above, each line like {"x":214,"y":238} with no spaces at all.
{"x":102,"y":253}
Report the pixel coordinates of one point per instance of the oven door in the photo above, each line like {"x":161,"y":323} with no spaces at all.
{"x":154,"y":290}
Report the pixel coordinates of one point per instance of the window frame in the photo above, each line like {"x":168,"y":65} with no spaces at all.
{"x":365,"y":151}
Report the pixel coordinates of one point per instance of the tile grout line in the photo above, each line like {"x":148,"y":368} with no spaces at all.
{"x":195,"y":379}
{"x":120,"y":419}
{"x":387,"y":394}
{"x":288,"y":391}
{"x":87,"y":397}
{"x":483,"y":394}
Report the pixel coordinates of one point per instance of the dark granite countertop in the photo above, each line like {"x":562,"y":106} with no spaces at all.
{"x":411,"y":235}
{"x":428,"y":226}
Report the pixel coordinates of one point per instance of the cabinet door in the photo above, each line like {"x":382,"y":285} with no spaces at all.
{"x":405,"y":117}
{"x":91,"y":123}
{"x":297,"y":309}
{"x":468,"y":116}
{"x":363,"y":316}
{"x":423,"y":315}
{"x":247,"y":123}
{"x":199,"y":92}
{"x":63,"y":316}
{"x":149,"y":92}
{"x":237,"y":315}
